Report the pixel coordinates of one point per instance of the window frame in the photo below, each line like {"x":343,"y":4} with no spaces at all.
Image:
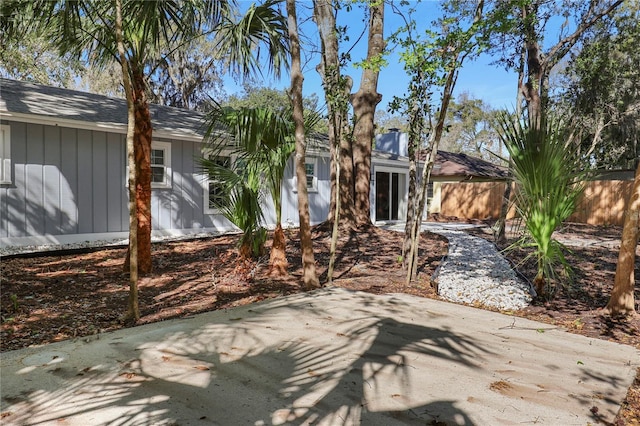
{"x":313,"y":161}
{"x":207,"y":181}
{"x":167,"y":183}
{"x":5,"y":155}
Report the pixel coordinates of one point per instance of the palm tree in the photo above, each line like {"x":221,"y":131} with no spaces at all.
{"x":262,"y":141}
{"x":236,"y":194}
{"x":550,"y":175}
{"x":86,"y":28}
{"x":133,"y":311}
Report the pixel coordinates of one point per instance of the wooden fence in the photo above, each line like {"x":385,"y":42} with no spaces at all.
{"x":603,"y":203}
{"x":477,"y":200}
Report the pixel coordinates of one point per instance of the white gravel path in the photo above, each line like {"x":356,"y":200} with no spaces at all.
{"x":474,"y":272}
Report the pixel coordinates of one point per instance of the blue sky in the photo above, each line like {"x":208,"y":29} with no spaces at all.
{"x":491,"y":83}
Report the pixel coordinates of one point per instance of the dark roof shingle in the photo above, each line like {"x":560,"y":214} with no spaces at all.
{"x":449,"y":164}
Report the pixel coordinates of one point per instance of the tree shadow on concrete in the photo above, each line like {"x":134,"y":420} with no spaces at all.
{"x":283,"y":362}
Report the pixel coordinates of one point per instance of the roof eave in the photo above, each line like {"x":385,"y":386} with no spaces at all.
{"x":95,"y":126}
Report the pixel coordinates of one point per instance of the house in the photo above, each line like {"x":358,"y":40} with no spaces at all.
{"x":63,"y":170}
{"x":63,"y":175}
{"x":450,"y":171}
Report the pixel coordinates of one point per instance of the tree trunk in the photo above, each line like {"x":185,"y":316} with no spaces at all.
{"x":447,"y":92}
{"x":245,"y":252}
{"x":531,"y":89}
{"x":335,"y":230}
{"x":452,"y":60}
{"x":411,"y":203}
{"x":346,"y":186}
{"x":622,"y":300}
{"x":133,"y":310}
{"x":278,"y":263}
{"x":364,"y":103}
{"x":539,"y":63}
{"x":309,"y":277}
{"x":333,"y":187}
{"x":142,"y":141}
{"x":337,"y":89}
{"x":416,"y":128}
{"x":142,"y":151}
{"x":412,"y":261}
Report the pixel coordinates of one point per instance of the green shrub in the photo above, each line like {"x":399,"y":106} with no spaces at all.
{"x":550,"y":179}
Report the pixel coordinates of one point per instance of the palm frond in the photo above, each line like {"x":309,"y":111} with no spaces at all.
{"x":550,"y":177}
{"x":240,"y":42}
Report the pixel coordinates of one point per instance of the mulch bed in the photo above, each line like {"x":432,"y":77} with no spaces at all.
{"x":47,"y":298}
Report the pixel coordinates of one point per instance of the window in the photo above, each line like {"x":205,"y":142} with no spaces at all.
{"x":311,"y":172}
{"x":5,"y":154}
{"x":160,"y":165}
{"x":214,"y":190}
{"x":310,"y":169}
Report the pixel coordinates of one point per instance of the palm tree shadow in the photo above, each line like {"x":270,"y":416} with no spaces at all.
{"x":368,"y":369}
{"x":367,"y":377}
{"x":379,"y":386}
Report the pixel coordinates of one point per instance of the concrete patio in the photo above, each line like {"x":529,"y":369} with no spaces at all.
{"x":330,"y":357}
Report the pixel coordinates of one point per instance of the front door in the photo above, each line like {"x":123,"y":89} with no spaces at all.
{"x":390,"y":188}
